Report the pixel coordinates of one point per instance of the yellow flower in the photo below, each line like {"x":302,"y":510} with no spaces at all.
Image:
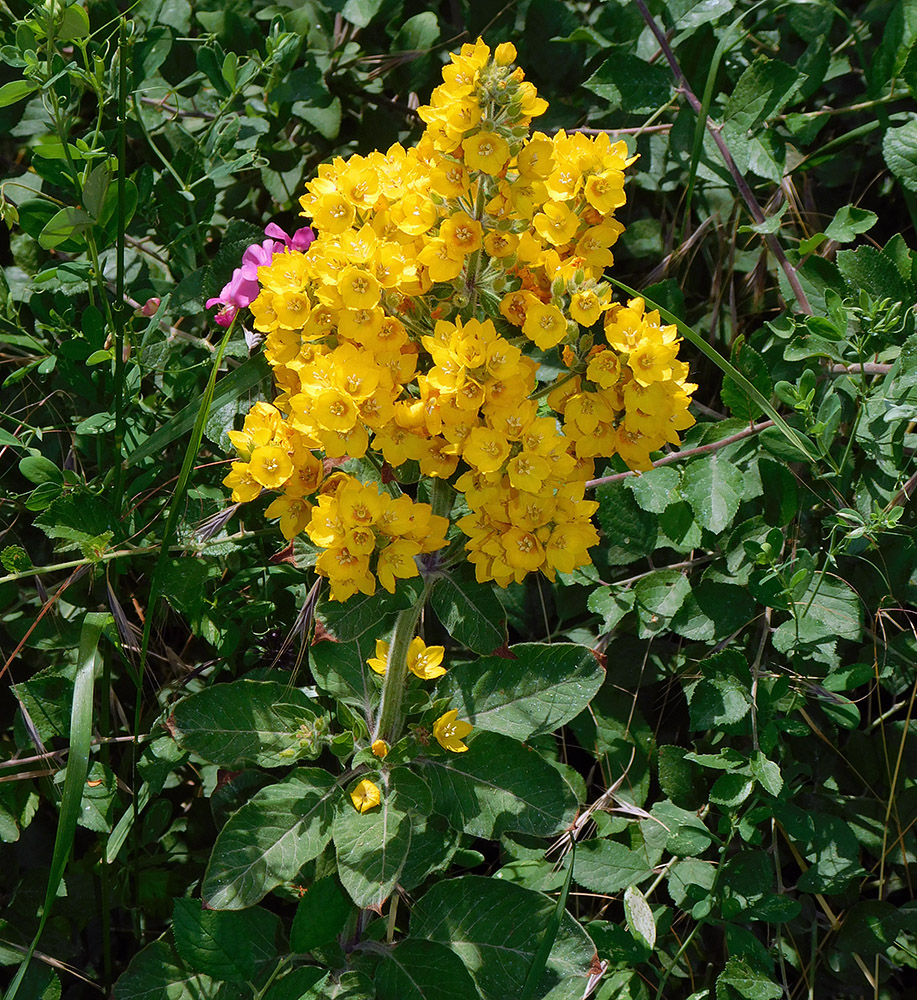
{"x":486,"y":151}
{"x":424,"y":661}
{"x":449,"y":732}
{"x":379,"y":662}
{"x":270,"y":466}
{"x":365,"y":796}
{"x":379,"y":749}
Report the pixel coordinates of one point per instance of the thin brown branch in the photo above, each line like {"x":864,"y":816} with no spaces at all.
{"x":677,"y":456}
{"x":744,"y":190}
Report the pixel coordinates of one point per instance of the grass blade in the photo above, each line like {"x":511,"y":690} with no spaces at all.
{"x":540,"y":958}
{"x":793,"y":436}
{"x":75,"y":780}
{"x":245,"y":377}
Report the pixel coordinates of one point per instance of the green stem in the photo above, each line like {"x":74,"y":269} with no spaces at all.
{"x":391,"y":717}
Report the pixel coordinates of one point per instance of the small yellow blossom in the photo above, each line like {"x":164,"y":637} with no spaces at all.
{"x":379,"y":662}
{"x":365,"y":796}
{"x":424,"y":660}
{"x":449,"y":732}
{"x":379,"y":749}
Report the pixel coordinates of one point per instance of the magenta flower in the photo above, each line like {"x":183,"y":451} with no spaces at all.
{"x":242,"y":288}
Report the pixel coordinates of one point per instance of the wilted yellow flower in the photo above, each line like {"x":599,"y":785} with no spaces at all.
{"x":365,"y":796}
{"x":449,"y":732}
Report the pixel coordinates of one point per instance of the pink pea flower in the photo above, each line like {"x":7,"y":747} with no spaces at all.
{"x":242,"y":288}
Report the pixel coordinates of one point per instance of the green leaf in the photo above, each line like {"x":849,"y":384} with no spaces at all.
{"x":15,"y":91}
{"x":767,"y":773}
{"x":98,"y":802}
{"x":157,"y":972}
{"x":828,"y":610}
{"x":417,"y":34}
{"x":470,"y":611}
{"x":612,"y":603}
{"x":81,"y":715}
{"x":849,"y":222}
{"x":630,"y":531}
{"x":875,"y":271}
{"x":762,"y":91}
{"x":347,"y":620}
{"x":373,"y":846}
{"x":95,"y":188}
{"x":750,"y":363}
{"x":320,"y":916}
{"x":870,"y":927}
{"x":423,"y":970}
{"x":730,"y":790}
{"x":495,"y":927}
{"x":629,"y":82}
{"x":608,"y":867}
{"x":223,"y":945}
{"x":639,"y":916}
{"x":348,"y":986}
{"x":340,"y":668}
{"x":713,"y":611}
{"x":270,"y":838}
{"x":713,"y":486}
{"x":739,"y":980}
{"x":361,"y":12}
{"x":899,"y":147}
{"x":325,"y":120}
{"x":542,"y":688}
{"x":15,"y":559}
{"x":230,"y":388}
{"x":656,"y":489}
{"x":66,"y":223}
{"x":38,"y":469}
{"x":499,"y":785}
{"x":780,"y":495}
{"x":658,"y":597}
{"x":74,"y":24}
{"x":245,"y":722}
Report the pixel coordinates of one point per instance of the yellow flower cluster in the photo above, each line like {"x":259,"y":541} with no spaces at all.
{"x":413,"y":328}
{"x":366,"y":534}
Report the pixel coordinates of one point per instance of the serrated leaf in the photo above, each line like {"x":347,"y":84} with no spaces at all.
{"x":245,"y":722}
{"x":15,"y":559}
{"x":658,"y":597}
{"x":496,"y":927}
{"x":630,"y":532}
{"x":656,"y":489}
{"x":767,"y":773}
{"x":499,"y":785}
{"x":713,"y":486}
{"x":538,"y":691}
{"x":899,"y":147}
{"x":762,"y":91}
{"x":627,"y":81}
{"x":608,"y":867}
{"x":748,"y":983}
{"x":270,"y":838}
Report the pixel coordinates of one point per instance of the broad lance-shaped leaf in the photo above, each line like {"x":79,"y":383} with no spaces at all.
{"x":157,"y":972}
{"x":372,"y":847}
{"x":495,"y":927}
{"x":500,"y":785}
{"x":543,"y":688}
{"x":423,"y":970}
{"x":470,"y":611}
{"x":225,"y":945}
{"x":264,"y":723}
{"x":270,"y":838}
{"x":713,"y":486}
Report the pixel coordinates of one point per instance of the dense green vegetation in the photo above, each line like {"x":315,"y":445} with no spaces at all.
{"x":717,"y":712}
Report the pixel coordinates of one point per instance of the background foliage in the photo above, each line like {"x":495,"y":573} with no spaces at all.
{"x":743,"y":770}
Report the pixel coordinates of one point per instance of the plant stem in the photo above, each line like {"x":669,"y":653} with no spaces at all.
{"x":391,"y":718}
